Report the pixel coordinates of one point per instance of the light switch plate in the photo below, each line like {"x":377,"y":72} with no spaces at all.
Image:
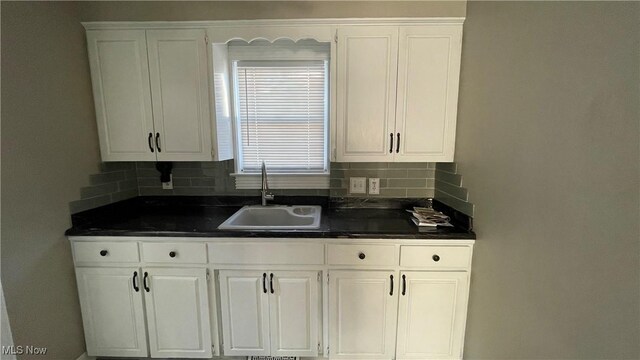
{"x":358,"y":185}
{"x":374,"y":186}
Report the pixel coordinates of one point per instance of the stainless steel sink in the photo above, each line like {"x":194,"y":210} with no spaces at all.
{"x":276,"y":217}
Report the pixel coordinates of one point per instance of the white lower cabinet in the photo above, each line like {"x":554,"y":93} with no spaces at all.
{"x":270,"y":312}
{"x":177,"y":312}
{"x":343,"y":299}
{"x":431,"y":315}
{"x":112,"y":311}
{"x":362,"y":309}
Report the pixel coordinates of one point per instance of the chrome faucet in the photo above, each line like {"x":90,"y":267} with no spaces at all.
{"x":266,"y":195}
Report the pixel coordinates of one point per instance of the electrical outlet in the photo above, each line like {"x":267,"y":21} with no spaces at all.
{"x":358,"y":185}
{"x":168,"y":185}
{"x":374,"y":186}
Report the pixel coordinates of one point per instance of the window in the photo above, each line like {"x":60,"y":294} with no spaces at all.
{"x":281,"y":111}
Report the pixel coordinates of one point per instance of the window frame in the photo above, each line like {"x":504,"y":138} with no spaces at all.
{"x":284,"y":180}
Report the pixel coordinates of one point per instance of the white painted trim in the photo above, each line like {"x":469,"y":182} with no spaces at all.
{"x":84,"y":356}
{"x":104,"y":25}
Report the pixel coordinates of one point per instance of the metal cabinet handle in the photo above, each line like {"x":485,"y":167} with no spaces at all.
{"x":436,"y":258}
{"x":158,"y":142}
{"x":398,"y":144}
{"x":271,"y":282}
{"x":172,"y":254}
{"x":144,"y":281}
{"x":361,"y":256}
{"x":391,"y":291}
{"x":135,"y":281}
{"x":264,"y":282}
{"x":391,"y":143}
{"x":149,"y":140}
{"x":404,"y":285}
{"x":103,"y":252}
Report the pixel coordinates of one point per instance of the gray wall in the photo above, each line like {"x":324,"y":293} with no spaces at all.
{"x":232,"y":10}
{"x":49,"y":147}
{"x":548,"y":145}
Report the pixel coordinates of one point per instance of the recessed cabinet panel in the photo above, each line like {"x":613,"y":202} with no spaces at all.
{"x":294,"y":313}
{"x":179,"y":87}
{"x":428,"y":72}
{"x":245,"y":313}
{"x":178,"y":312}
{"x":367,"y":66}
{"x":432,"y":315}
{"x":98,"y":252}
{"x":120,"y":78}
{"x":362,"y":314}
{"x":112,"y":311}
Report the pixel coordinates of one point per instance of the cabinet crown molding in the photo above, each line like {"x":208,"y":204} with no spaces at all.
{"x":114,"y":25}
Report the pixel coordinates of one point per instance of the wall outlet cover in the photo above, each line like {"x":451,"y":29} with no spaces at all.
{"x":374,"y":186}
{"x":358,"y":185}
{"x":168,"y":185}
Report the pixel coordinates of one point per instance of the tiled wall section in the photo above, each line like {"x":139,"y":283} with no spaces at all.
{"x":201,"y":178}
{"x":397,"y":180}
{"x":212,"y":178}
{"x":116,"y":182}
{"x":449,"y":190}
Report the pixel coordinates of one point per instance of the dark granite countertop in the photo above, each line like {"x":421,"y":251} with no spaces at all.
{"x":201,"y":216}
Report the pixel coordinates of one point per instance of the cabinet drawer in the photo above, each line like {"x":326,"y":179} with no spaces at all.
{"x":105,"y":252}
{"x":437,"y":257}
{"x":175,"y":253}
{"x":362,"y":254}
{"x":271,"y":254}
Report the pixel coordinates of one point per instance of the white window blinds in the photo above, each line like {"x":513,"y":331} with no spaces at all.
{"x":282,"y":115}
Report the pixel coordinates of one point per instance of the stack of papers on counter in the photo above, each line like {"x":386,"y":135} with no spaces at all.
{"x":427,"y":217}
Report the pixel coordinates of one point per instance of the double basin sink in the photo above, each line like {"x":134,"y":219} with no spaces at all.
{"x":274,"y":217}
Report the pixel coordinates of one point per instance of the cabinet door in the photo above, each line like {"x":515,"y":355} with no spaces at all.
{"x":428,"y":73}
{"x":366,"y":92}
{"x":294,"y":313}
{"x":180,"y":93}
{"x":245,"y":312}
{"x":432,"y":315}
{"x":112,"y":311}
{"x":120,"y":78}
{"x":362,"y":314}
{"x":177,"y":312}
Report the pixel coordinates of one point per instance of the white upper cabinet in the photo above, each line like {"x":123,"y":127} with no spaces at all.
{"x":366,"y":92}
{"x":120,"y":77}
{"x":374,"y":123}
{"x":431,"y":315}
{"x":154,"y":96}
{"x":428,"y":73}
{"x":179,"y":89}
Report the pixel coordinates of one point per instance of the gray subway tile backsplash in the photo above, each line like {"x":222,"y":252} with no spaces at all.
{"x":449,"y":190}
{"x":212,"y":178}
{"x":117,"y":181}
{"x":123,"y":180}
